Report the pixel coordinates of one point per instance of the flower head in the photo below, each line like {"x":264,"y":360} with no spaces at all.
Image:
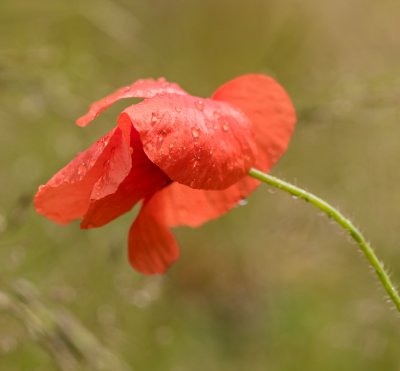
{"x":185,"y":157}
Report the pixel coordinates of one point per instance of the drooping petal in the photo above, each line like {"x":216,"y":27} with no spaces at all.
{"x":182,"y":205}
{"x":268,"y":107}
{"x":197,"y":142}
{"x":102,"y":166}
{"x":151,"y":246}
{"x":145,"y":88}
{"x":143,"y":180}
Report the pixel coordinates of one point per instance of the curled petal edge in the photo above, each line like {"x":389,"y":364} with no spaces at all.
{"x":145,"y":88}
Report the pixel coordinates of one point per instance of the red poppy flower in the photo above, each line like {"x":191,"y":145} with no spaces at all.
{"x":186,"y":157}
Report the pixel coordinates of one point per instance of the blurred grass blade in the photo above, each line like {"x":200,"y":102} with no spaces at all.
{"x":71,"y":345}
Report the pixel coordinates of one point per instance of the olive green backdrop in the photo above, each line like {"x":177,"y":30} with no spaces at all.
{"x":273,"y":285}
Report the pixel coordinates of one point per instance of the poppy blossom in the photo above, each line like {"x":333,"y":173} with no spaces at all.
{"x":185,"y":158}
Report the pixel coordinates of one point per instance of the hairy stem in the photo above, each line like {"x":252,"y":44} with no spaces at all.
{"x":342,"y":221}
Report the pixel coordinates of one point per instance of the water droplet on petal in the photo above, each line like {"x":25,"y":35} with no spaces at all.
{"x":81,"y":168}
{"x":195,"y":133}
{"x":162,"y":135}
{"x":199,"y":105}
{"x":178,"y":109}
{"x":171,"y":146}
{"x":101,"y":143}
{"x":154,"y":118}
{"x":217,"y":114}
{"x":225,"y":126}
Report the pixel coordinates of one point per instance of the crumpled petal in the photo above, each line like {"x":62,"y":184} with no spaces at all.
{"x":151,"y":246}
{"x":182,"y":205}
{"x":145,"y":88}
{"x":268,"y":107}
{"x":102,"y":167}
{"x":143,"y":180}
{"x":201,"y":146}
{"x":197,"y":142}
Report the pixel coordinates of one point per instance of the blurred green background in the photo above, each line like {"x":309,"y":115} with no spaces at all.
{"x":273,"y":285}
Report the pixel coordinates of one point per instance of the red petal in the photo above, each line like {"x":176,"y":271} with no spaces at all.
{"x":181,"y":205}
{"x":152,"y":247}
{"x":197,"y":142}
{"x":146,"y":88}
{"x":269,"y":108}
{"x":144,"y":179}
{"x":102,"y":166}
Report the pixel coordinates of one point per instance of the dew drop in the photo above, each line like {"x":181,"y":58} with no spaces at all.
{"x":162,"y":135}
{"x":81,"y":169}
{"x":154,"y":118}
{"x":295,"y":197}
{"x":199,"y":105}
{"x":243,"y":202}
{"x":178,"y":109}
{"x":216,"y":114}
{"x":225,"y":126}
{"x":101,"y":145}
{"x":171,"y":146}
{"x":195,"y":133}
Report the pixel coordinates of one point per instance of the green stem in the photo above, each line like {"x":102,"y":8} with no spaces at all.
{"x":342,"y":221}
